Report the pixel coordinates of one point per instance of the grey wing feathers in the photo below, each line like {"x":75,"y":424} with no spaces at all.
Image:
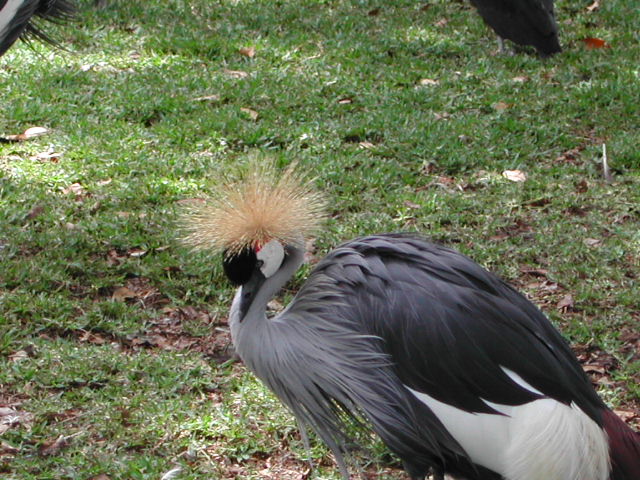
{"x":383,"y":313}
{"x":450,"y":326}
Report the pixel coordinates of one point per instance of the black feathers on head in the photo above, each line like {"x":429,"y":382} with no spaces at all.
{"x":239,"y":267}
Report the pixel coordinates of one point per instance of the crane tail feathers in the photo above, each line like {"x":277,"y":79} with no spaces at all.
{"x":556,"y":441}
{"x":624,"y":446}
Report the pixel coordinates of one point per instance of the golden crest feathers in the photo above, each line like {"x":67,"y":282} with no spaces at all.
{"x":262,"y":205}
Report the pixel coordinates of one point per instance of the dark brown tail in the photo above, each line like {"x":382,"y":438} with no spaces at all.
{"x":624,"y":448}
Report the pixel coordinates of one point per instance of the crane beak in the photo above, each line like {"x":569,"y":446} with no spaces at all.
{"x":248,"y":292}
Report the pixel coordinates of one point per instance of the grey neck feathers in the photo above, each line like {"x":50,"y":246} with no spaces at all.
{"x":256,"y":314}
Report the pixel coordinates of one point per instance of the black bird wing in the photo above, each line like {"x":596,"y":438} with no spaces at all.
{"x":22,"y":25}
{"x":526,"y":22}
{"x":451,"y":327}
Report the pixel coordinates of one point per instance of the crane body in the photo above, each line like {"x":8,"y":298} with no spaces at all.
{"x":452,"y":368}
{"x":524,"y":22}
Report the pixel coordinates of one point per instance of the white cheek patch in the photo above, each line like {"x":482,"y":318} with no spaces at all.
{"x":271,"y":254}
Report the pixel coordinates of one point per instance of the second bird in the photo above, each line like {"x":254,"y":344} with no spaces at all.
{"x":525,"y":22}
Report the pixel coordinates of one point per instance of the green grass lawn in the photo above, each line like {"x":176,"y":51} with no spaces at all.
{"x":113,"y":341}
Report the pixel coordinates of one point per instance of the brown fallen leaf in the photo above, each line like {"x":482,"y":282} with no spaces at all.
{"x":592,"y":242}
{"x":53,"y":447}
{"x":428,"y":81}
{"x":136,"y":252}
{"x":253,"y":115}
{"x":520,"y":79}
{"x":582,"y":186}
{"x":236,"y":73}
{"x":625,"y":414}
{"x":6,"y":449}
{"x":591,"y":43}
{"x":35,"y":212}
{"x":536,"y":272}
{"x":594,"y":6}
{"x":28,"y":134}
{"x":74,"y":188}
{"x":247,"y":51}
{"x":442,"y":22}
{"x":345,"y":101}
{"x":566,"y":303}
{"x":441,"y":115}
{"x":92,"y":338}
{"x":50,"y":156}
{"x":207,"y":98}
{"x":8,"y":412}
{"x":515,"y":175}
{"x":500,"y":106}
{"x":593,"y":369}
{"x":121,"y":294}
{"x":18,"y":356}
{"x":102,"y":476}
{"x":375,"y":12}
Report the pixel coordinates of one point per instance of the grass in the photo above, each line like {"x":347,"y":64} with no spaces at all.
{"x":112,"y":336}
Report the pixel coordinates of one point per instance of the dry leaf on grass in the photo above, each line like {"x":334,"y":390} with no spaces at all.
{"x":500,"y":106}
{"x":520,"y":79}
{"x":207,"y":98}
{"x":136,"y":252}
{"x":74,"y":188}
{"x":53,"y":447}
{"x":252,"y":114}
{"x":566,"y":303}
{"x":249,"y":52}
{"x":50,"y":156}
{"x":428,"y":81}
{"x":345,"y":101}
{"x":6,"y":449}
{"x":18,"y":356}
{"x":442,"y":22}
{"x":591,"y":43}
{"x":35,"y":212}
{"x":121,"y":294}
{"x":236,"y":73}
{"x":594,"y":6}
{"x":28,"y":134}
{"x":592,"y":242}
{"x":514,"y":175}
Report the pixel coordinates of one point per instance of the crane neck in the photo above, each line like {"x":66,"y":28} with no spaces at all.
{"x":263,"y":290}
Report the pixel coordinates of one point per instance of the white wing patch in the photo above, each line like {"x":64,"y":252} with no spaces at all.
{"x":271,"y":254}
{"x":540,"y":440}
{"x":520,"y":381}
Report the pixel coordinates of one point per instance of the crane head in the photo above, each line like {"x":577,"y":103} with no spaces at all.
{"x":253,"y":219}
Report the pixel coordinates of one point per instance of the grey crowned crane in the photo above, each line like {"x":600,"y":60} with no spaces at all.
{"x":456,"y":372}
{"x":525,"y":22}
{"x":17,"y":19}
